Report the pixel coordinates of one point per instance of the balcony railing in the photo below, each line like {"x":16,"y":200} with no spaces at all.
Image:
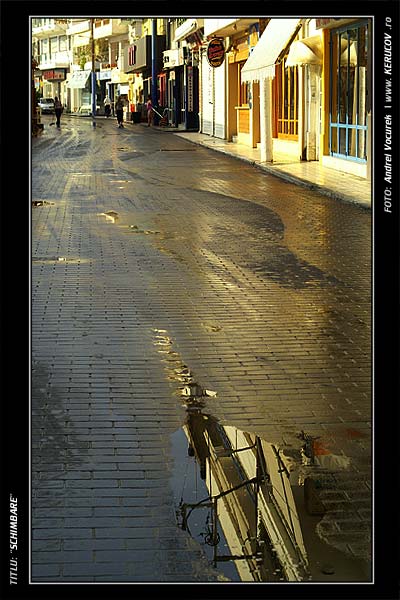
{"x":56,"y":59}
{"x":48,"y":27}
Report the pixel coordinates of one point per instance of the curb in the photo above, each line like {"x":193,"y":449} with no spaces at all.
{"x":288,"y":177}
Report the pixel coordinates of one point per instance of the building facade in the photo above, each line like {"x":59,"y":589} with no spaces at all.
{"x":291,"y":88}
{"x":308,"y":93}
{"x":52,"y":53}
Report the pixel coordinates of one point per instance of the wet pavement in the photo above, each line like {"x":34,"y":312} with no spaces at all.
{"x":201,"y":366}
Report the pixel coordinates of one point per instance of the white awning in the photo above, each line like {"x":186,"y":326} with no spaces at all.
{"x":189,"y":26}
{"x":307,"y":51}
{"x":78,"y":79}
{"x":261,"y":62}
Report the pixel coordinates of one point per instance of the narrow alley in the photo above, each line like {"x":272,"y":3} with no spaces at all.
{"x":201,"y":366}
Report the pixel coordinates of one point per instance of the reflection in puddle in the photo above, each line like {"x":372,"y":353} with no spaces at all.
{"x":258,"y":511}
{"x":249,"y":508}
{"x":247,"y":516}
{"x":135,"y":229}
{"x":192,"y":392}
{"x":110,"y":215}
{"x":59,"y":259}
{"x":36,"y":203}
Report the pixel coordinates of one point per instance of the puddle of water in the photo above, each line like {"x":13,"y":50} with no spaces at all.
{"x":243,"y":500}
{"x":257,"y":511}
{"x":135,"y":229}
{"x":212,"y":327}
{"x":189,"y":390}
{"x":189,"y":488}
{"x":36,"y":203}
{"x":120,"y":180}
{"x":110,"y":215}
{"x":59,"y":259}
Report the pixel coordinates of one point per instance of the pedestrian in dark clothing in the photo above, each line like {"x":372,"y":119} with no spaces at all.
{"x":58,"y":108}
{"x":119,"y":109}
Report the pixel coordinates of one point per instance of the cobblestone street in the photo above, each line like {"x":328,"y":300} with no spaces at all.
{"x":153,"y":257}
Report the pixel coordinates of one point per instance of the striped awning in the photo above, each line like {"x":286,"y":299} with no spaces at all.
{"x":276,"y":36}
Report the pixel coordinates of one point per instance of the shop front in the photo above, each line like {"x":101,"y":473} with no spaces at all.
{"x":139,"y":61}
{"x":179,"y":83}
{"x":78,"y":90}
{"x":276,"y":93}
{"x":347,"y":95}
{"x":56,"y":79}
{"x":213,"y":93}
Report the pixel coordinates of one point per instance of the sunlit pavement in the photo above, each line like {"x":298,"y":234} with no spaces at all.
{"x":158,"y":264}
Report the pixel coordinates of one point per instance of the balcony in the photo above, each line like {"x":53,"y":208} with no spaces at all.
{"x":78,"y":26}
{"x":61,"y":60}
{"x":110,"y":27}
{"x":48,"y":27}
{"x":227,"y":27}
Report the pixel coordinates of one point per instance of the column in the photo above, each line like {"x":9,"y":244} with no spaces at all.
{"x":266,"y":120}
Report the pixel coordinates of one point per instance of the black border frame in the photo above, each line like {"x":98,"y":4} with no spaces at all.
{"x":15,"y":297}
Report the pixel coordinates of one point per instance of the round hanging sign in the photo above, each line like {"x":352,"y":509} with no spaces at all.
{"x":215,"y":52}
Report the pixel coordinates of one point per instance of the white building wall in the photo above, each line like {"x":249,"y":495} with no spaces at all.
{"x":213,"y":89}
{"x":220,"y":102}
{"x":207,"y":101}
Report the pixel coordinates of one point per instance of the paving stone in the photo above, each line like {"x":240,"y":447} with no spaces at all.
{"x":263,"y":289}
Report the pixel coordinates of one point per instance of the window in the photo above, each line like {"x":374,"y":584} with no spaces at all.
{"x":53,"y":45}
{"x":348,"y":92}
{"x":286,"y":100}
{"x":63,"y":43}
{"x":244,"y":88}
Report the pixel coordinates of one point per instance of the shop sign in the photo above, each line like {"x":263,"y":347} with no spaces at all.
{"x":103,"y":75}
{"x":215,"y":52}
{"x":54,"y":74}
{"x":173,"y":58}
{"x":190,"y":89}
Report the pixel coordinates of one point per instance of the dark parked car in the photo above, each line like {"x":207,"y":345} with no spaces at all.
{"x":46,"y":105}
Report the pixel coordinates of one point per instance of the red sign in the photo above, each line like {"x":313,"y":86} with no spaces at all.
{"x":215,"y":52}
{"x":54,"y":74}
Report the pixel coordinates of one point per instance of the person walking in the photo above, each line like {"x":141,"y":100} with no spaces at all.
{"x":58,"y":108}
{"x":107,"y":106}
{"x":150,"y":114}
{"x":119,"y":109}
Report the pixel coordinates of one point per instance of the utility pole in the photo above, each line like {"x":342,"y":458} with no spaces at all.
{"x":93,"y":74}
{"x":153,"y":63}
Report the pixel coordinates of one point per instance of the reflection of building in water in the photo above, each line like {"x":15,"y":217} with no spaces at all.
{"x":267,"y":519}
{"x":250,"y":491}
